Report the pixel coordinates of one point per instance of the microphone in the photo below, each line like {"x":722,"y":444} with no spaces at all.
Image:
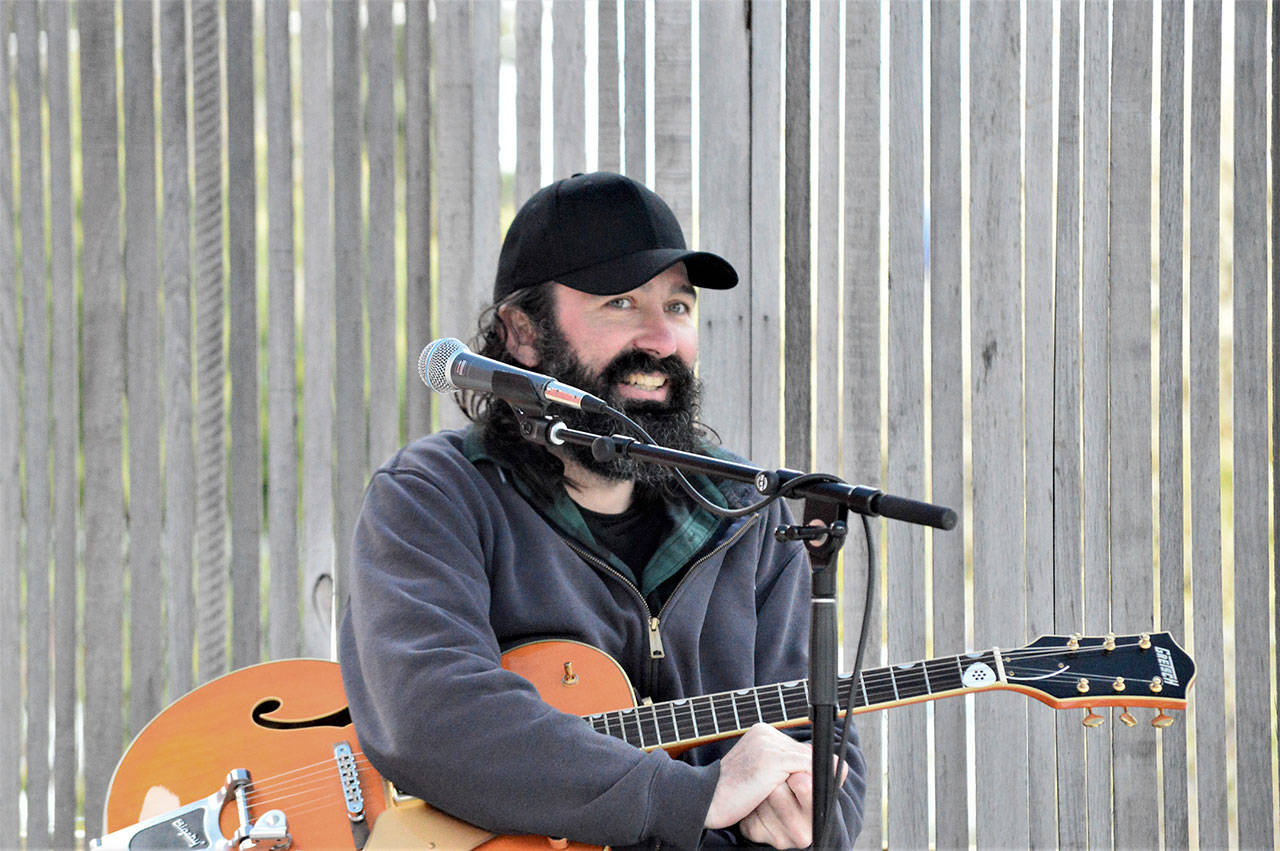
{"x":446,"y":365}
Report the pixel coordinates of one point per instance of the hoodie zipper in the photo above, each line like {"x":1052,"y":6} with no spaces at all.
{"x":656,"y":650}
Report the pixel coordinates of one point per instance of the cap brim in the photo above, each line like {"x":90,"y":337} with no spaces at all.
{"x":625,"y":273}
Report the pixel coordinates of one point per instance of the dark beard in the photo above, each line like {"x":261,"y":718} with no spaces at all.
{"x":672,"y":423}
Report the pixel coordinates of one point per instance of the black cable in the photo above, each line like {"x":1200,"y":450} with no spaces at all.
{"x":853,"y":682}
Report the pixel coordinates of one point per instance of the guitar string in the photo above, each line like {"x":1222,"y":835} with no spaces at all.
{"x":871,"y":680}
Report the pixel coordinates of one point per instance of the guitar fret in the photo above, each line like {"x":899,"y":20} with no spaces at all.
{"x":666,"y":729}
{"x":924,"y":669}
{"x":649,"y":724}
{"x":737,"y":722}
{"x":693,"y":716}
{"x":755,"y":693}
{"x":894,"y":681}
{"x":630,"y":715}
{"x":772,"y":712}
{"x":730,"y":720}
{"x":862,"y":681}
{"x":782,"y":702}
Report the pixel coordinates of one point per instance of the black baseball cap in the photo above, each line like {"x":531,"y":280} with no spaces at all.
{"x":600,"y":233}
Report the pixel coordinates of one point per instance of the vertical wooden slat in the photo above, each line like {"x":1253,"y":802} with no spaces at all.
{"x":211,"y":484}
{"x":609,"y":136}
{"x":35,"y":407}
{"x":724,"y":318}
{"x":350,"y":423}
{"x":245,"y":466}
{"x":65,"y":397}
{"x":635,"y":129}
{"x":766,"y":213}
{"x":179,"y":469}
{"x":1129,"y":392}
{"x":798,"y":322}
{"x":142,"y":327}
{"x":103,"y":346}
{"x":1173,"y":741}
{"x":568,"y":89}
{"x":417,"y":192}
{"x":907,"y":763}
{"x":317,"y":334}
{"x":1068,"y":602}
{"x":10,"y":481}
{"x":946,"y":377}
{"x":996,"y":338}
{"x":1037,"y":331}
{"x":860,"y":431}
{"x":827,"y":236}
{"x":1206,"y":527}
{"x":1249,"y":431}
{"x":486,"y":178}
{"x":1275,"y":308}
{"x":1095,"y":565}
{"x":454,"y":162}
{"x":380,"y":143}
{"x":528,"y":99}
{"x":672,"y":110}
{"x":282,"y":415}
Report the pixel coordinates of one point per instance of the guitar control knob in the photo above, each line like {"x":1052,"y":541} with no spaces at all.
{"x":1127,"y":719}
{"x":1093,"y":719}
{"x":1161,"y":721}
{"x":557,"y":842}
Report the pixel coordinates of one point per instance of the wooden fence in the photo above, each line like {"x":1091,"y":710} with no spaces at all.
{"x":1017,"y":253}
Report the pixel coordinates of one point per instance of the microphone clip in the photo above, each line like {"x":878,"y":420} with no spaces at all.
{"x":542,"y":429}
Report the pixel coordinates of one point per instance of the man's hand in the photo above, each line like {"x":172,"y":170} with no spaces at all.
{"x":765,"y":784}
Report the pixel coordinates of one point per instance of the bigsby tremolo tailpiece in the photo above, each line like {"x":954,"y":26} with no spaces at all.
{"x":196,"y":825}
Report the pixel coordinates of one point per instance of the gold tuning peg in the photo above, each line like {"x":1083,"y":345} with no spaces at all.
{"x":1093,"y":719}
{"x":1162,"y":720}
{"x":1073,"y":642}
{"x":1144,"y":641}
{"x":1109,"y":643}
{"x":1127,"y":719}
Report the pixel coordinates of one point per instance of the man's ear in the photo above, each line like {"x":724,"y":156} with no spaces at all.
{"x":521,"y":334}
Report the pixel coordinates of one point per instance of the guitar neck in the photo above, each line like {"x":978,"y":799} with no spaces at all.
{"x":690,"y":721}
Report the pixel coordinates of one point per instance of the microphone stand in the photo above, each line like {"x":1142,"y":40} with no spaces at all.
{"x":827,"y":507}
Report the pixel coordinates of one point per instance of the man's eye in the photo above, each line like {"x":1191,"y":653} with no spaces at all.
{"x":619,"y":302}
{"x":679,"y":307}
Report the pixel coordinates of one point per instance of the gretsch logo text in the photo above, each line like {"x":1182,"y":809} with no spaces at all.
{"x":1167,"y":672}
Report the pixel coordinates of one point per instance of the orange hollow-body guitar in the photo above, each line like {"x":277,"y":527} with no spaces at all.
{"x":266,"y":757}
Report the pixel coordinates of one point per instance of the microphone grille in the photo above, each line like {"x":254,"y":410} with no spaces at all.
{"x":433,"y":363}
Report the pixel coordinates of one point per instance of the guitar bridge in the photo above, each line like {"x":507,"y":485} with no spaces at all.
{"x":349,"y":775}
{"x":195,"y":825}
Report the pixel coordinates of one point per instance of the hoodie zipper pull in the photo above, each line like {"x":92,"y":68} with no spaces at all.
{"x":655,"y":641}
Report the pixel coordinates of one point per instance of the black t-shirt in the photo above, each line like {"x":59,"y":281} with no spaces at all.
{"x":633,"y":535}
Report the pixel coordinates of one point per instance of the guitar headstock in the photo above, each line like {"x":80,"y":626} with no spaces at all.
{"x":1148,"y":669}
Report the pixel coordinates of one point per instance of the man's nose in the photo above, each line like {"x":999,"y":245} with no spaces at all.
{"x":656,"y":335}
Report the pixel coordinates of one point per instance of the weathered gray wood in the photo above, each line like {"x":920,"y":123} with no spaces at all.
{"x":486,"y":178}
{"x":1095,"y":564}
{"x":797,"y":269}
{"x":672,"y":109}
{"x":635,"y":127}
{"x":350,"y":423}
{"x":1037,"y":332}
{"x":996,"y":369}
{"x":102,"y":333}
{"x":1173,"y":741}
{"x":766,"y":213}
{"x":244,"y":469}
{"x":860,"y":432}
{"x":10,"y":471}
{"x":724,"y":318}
{"x":417,"y":147}
{"x":568,"y":87}
{"x":35,"y":404}
{"x":208,"y":273}
{"x":1132,"y":594}
{"x":454,"y":161}
{"x":826,"y":321}
{"x":906,"y":761}
{"x":66,"y":429}
{"x":528,"y":99}
{"x":283,"y":640}
{"x":1275,"y":299}
{"x":142,"y":362}
{"x":317,"y":551}
{"x":1203,"y":316}
{"x":609,"y":117}
{"x":946,"y":377}
{"x":1249,"y":430}
{"x":380,"y":134}
{"x":1068,"y":601}
{"x":179,"y":470}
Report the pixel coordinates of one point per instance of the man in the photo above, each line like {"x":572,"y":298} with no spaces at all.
{"x":470,"y":543}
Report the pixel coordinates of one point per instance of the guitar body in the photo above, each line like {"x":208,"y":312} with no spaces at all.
{"x":281,"y":720}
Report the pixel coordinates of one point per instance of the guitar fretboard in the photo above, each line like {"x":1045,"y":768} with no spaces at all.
{"x":730,"y":713}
